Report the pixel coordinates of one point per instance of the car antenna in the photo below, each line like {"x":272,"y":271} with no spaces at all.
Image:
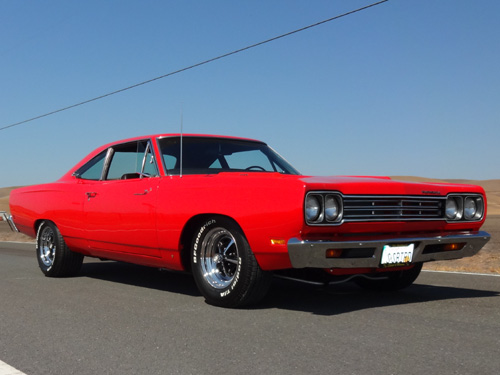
{"x":180,"y":171}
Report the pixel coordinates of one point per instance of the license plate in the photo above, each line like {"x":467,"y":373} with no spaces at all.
{"x":397,"y":255}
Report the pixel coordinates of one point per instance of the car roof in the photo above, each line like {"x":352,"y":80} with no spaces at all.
{"x":167,"y":135}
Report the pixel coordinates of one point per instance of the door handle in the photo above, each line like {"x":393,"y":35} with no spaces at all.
{"x":91,"y":195}
{"x":144,"y":192}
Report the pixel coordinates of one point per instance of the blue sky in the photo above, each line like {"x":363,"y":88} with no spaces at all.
{"x":409,"y":87}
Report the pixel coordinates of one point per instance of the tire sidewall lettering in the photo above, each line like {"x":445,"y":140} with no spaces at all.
{"x":198,"y":238}
{"x":234,"y":282}
{"x":236,"y":275}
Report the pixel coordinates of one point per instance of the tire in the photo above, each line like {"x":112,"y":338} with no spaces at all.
{"x":392,"y":281}
{"x":224,"y":267}
{"x":54,"y":257}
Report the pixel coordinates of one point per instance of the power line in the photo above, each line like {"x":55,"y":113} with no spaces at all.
{"x":195,"y":65}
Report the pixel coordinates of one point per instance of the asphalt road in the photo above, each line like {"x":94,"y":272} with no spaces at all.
{"x":123,"y":319}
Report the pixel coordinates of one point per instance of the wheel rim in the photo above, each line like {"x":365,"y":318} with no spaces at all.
{"x":47,"y":247}
{"x":219,"y":258}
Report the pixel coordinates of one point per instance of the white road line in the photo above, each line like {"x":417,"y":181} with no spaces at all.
{"x":465,"y":273}
{"x":5,"y":369}
{"x":25,"y":242}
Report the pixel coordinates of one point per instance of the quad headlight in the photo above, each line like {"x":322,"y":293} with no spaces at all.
{"x":332,"y":207}
{"x":454,"y":208}
{"x":473,"y":208}
{"x":464,"y":207}
{"x":313,"y":208}
{"x":323,"y":208}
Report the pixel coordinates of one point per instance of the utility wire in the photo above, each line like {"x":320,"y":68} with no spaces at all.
{"x":195,"y":65}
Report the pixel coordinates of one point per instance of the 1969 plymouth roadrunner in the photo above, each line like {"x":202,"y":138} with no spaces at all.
{"x":233,"y":212}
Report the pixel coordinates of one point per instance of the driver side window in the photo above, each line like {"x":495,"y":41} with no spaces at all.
{"x":150,"y":165}
{"x":132,"y":161}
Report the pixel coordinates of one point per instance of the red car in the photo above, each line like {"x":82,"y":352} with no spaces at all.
{"x":233,"y":212}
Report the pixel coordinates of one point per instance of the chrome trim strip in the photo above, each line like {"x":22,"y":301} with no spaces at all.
{"x":8,"y":219}
{"x":305,"y":253}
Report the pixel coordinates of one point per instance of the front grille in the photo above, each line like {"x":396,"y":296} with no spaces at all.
{"x":376,"y":208}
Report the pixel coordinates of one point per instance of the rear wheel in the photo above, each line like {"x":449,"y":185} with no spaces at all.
{"x":224,"y":267}
{"x":391,"y":280}
{"x":54,"y":257}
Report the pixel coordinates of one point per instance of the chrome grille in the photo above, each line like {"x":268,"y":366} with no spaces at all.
{"x":377,"y":208}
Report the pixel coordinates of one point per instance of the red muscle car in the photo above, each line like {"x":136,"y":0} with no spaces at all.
{"x":234,"y":212}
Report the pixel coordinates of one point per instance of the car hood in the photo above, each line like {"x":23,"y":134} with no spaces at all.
{"x":361,"y":185}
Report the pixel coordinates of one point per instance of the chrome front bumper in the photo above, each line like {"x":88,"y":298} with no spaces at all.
{"x":8,"y":219}
{"x":368,"y":254}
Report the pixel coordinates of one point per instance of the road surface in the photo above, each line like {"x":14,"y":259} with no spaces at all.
{"x":118,"y":318}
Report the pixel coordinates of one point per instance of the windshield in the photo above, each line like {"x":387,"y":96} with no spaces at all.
{"x":202,"y":155}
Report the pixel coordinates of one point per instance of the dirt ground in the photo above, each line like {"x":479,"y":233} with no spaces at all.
{"x":7,"y":235}
{"x":487,"y":261}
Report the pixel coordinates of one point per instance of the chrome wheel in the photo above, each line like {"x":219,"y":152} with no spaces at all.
{"x":47,"y":246}
{"x":219,"y":258}
{"x":224,"y":266}
{"x":55,"y":259}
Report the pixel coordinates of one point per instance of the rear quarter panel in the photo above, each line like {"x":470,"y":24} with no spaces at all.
{"x":60,"y":202}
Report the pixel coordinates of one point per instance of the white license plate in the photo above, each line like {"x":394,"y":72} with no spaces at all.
{"x":395,"y":255}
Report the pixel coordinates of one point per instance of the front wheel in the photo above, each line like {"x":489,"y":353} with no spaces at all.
{"x":224,"y":267}
{"x":395,"y":280}
{"x":54,"y":257}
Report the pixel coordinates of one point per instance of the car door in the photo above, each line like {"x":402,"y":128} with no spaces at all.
{"x":120,"y":207}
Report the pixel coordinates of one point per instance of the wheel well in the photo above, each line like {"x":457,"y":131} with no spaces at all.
{"x":189,"y":232}
{"x":38,"y":223}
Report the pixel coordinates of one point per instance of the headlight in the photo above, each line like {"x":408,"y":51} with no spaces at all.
{"x":323,"y":208}
{"x":332,"y":208}
{"x":473,"y":208}
{"x":464,"y":207}
{"x":470,"y":208}
{"x":453,"y":208}
{"x":313,"y":208}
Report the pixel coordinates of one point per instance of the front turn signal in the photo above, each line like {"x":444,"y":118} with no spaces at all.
{"x":333,"y":253}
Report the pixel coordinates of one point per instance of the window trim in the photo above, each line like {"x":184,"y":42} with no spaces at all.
{"x":110,"y":152}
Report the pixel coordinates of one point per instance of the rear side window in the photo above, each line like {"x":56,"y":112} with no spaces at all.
{"x":92,"y":170}
{"x":126,"y":161}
